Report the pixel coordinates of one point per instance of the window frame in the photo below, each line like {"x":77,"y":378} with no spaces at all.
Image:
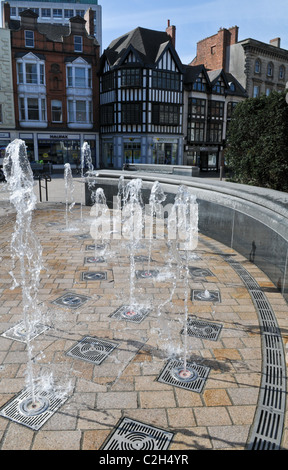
{"x":53,"y":111}
{"x":29,"y":40}
{"x":78,"y":43}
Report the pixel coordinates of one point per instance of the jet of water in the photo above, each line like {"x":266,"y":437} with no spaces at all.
{"x":24,"y":244}
{"x":156,"y":198}
{"x":132,"y":225}
{"x":69,"y":191}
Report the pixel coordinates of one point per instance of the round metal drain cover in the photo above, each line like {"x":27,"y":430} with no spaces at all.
{"x":129,"y":313}
{"x":71,"y":300}
{"x":90,"y":349}
{"x":94,"y":276}
{"x":138,"y":441}
{"x":29,"y":407}
{"x":22,"y":331}
{"x":206,"y":295}
{"x":184,"y":375}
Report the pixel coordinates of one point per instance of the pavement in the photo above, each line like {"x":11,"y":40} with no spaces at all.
{"x":217,"y":412}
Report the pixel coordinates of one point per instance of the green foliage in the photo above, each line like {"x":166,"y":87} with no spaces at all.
{"x":257,"y":142}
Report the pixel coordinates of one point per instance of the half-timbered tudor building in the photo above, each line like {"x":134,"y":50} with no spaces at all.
{"x":141,"y":100}
{"x":209,"y":100}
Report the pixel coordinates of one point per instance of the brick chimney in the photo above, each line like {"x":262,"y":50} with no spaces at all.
{"x":171,"y":31}
{"x":275,"y":42}
{"x":89,"y":17}
{"x":6,"y":15}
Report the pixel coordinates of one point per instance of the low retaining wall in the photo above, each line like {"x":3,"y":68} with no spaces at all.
{"x":251,"y":220}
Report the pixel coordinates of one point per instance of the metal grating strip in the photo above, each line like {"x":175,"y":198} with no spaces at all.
{"x":266,"y":433}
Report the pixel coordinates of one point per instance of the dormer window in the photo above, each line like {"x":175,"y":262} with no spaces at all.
{"x":78,"y":43}
{"x":29,"y":38}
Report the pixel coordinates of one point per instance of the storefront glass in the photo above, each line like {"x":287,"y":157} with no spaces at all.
{"x":59,"y":152}
{"x":132,"y":152}
{"x":165,"y":153}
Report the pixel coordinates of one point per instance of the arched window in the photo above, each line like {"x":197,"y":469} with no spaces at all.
{"x":281,"y":72}
{"x":257,"y":68}
{"x":270,"y":70}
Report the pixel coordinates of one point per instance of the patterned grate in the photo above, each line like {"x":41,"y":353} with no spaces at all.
{"x":93,"y":276}
{"x":133,"y":314}
{"x":192,"y":378}
{"x":202,"y":329}
{"x":71,"y":300}
{"x":134,"y":435}
{"x":205,"y":295}
{"x":93,"y":259}
{"x":141,"y":259}
{"x":22,"y":409}
{"x":147,"y":274}
{"x":19,"y":332}
{"x":199,"y":272}
{"x":91,"y":349}
{"x":94,"y":247}
{"x":83,"y":236}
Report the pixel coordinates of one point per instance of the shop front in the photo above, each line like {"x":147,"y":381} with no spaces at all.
{"x":58,"y":149}
{"x":206,"y":158}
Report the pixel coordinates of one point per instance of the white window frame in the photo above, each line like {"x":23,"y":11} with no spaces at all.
{"x":73,"y":111}
{"x":59,"y":110}
{"x":24,"y":108}
{"x":78,"y":43}
{"x":29,"y":41}
{"x":73,"y":80}
{"x":22,"y":73}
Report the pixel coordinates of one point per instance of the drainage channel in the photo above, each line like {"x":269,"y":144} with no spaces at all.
{"x":267,"y":430}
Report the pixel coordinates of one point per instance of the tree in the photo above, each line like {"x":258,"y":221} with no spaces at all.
{"x":257,"y":142}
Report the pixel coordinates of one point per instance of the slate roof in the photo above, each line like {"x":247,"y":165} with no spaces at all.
{"x":147,"y":44}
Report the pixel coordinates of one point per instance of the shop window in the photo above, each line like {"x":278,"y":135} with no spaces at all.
{"x":1,"y":114}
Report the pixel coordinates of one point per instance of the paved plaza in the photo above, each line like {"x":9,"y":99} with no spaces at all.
{"x":222,"y":345}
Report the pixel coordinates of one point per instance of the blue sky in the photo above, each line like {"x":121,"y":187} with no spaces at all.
{"x":196,"y":19}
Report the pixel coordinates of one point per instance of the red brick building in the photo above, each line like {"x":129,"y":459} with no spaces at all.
{"x":211,"y":51}
{"x":56,"y":89}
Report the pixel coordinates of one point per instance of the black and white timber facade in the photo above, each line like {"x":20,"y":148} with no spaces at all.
{"x":141,"y":100}
{"x":155,"y":110}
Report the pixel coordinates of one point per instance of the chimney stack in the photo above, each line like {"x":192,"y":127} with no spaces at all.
{"x":171,"y":31}
{"x":275,"y":42}
{"x":89,"y":17}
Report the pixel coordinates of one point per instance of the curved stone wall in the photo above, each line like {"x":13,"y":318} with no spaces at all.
{"x":251,"y":220}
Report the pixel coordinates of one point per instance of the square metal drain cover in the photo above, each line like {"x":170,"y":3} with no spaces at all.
{"x":93,"y":276}
{"x":134,"y":435}
{"x":94,"y":247}
{"x":33,"y":414}
{"x":19,"y":332}
{"x":192,"y":378}
{"x":203,"y":329}
{"x":71,"y":300}
{"x":133,"y":314}
{"x":141,"y":258}
{"x":83,"y":236}
{"x":92,"y":349}
{"x":206,"y":295}
{"x":147,"y":274}
{"x":199,"y":272}
{"x":94,"y":259}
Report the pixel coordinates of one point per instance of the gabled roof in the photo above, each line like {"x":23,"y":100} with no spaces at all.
{"x":192,"y":72}
{"x":148,"y":46}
